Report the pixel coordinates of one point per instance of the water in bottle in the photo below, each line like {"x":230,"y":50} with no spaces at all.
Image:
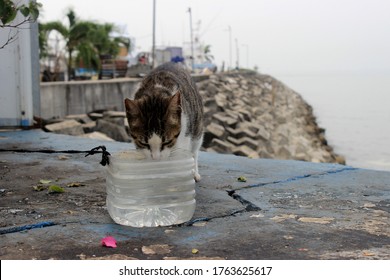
{"x":147,"y":193}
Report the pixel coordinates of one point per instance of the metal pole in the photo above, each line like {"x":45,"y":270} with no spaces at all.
{"x":238,"y":55}
{"x":192,"y":41}
{"x":154,"y":36}
{"x":230,"y":47}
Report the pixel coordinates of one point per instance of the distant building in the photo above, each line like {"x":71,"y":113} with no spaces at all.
{"x":167,"y":54}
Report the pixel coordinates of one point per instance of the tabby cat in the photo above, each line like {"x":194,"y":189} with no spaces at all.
{"x":166,"y":114}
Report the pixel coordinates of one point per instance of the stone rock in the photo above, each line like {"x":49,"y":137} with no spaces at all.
{"x":209,"y":102}
{"x":231,"y":80}
{"x":263,"y":133}
{"x":81,"y":118}
{"x":221,"y":146}
{"x":245,"y":115}
{"x":226,"y":88}
{"x":69,"y":127}
{"x":284,"y":153}
{"x":212,"y":89}
{"x":340,"y":159}
{"x":244,"y":150}
{"x":302,"y":157}
{"x":97,"y":136}
{"x":89,"y":127}
{"x":225,"y":120}
{"x":240,"y":132}
{"x":115,"y":117}
{"x":114,"y":114}
{"x":264,"y":154}
{"x":302,"y":146}
{"x":253,"y":144}
{"x":112,"y":130}
{"x":216,"y":129}
{"x":221,"y":100}
{"x":95,"y":116}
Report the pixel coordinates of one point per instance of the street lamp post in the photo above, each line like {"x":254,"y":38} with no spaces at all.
{"x":192,"y":41}
{"x":154,"y":36}
{"x":230,"y":47}
{"x":238,"y":55}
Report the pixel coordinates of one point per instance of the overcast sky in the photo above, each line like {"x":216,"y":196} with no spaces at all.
{"x":279,"y":36}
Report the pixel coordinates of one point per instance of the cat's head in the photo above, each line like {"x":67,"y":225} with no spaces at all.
{"x":155,"y":123}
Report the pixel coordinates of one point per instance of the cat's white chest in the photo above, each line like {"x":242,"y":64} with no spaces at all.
{"x":183,"y":141}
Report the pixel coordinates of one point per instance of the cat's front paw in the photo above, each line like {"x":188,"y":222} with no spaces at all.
{"x":197,"y":176}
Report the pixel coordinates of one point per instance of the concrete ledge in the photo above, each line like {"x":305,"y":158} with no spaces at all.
{"x":59,"y":99}
{"x":284,"y":210}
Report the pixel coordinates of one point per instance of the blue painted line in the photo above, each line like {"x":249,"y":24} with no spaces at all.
{"x":341,"y":170}
{"x":301,"y":177}
{"x":26,"y":227}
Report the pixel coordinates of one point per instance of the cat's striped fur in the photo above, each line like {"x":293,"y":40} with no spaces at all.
{"x":166,"y":113}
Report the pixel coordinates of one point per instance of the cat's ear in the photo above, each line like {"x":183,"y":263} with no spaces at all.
{"x":131,"y":107}
{"x":132,"y":113}
{"x":175,"y":103}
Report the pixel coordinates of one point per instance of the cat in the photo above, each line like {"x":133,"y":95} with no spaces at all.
{"x":166,"y":114}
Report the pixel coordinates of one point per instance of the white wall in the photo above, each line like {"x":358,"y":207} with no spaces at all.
{"x":19,"y":75}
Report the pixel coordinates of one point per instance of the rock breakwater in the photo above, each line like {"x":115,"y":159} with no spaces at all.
{"x":246,"y":114}
{"x":255,"y":115}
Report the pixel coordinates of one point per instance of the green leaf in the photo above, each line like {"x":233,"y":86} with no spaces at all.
{"x":75,"y":185}
{"x":8,"y":14}
{"x":34,"y":9}
{"x":34,"y":12}
{"x":43,"y":181}
{"x":55,"y":189}
{"x":241,"y":179}
{"x":5,"y":7}
{"x":2,"y":7}
{"x":38,"y":188}
{"x":24,"y":10}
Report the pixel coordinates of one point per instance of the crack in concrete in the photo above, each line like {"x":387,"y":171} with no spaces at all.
{"x":249,"y":206}
{"x":300,"y":177}
{"x":206,"y":219}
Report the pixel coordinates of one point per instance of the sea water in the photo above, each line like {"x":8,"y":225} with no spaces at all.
{"x":354,"y":108}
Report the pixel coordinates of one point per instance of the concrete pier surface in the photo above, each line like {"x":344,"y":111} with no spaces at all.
{"x":283,"y":210}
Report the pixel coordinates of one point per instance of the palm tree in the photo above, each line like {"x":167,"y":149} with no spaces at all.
{"x":85,"y":41}
{"x":102,"y":41}
{"x":44,"y":31}
{"x":207,"y":53}
{"x":75,"y":35}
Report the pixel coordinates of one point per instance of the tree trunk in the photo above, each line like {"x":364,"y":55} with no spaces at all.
{"x":70,"y":70}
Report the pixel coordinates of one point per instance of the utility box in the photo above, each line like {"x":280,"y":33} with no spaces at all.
{"x":19,"y":74}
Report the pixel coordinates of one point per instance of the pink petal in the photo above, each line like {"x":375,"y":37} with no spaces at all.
{"x":109,"y":241}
